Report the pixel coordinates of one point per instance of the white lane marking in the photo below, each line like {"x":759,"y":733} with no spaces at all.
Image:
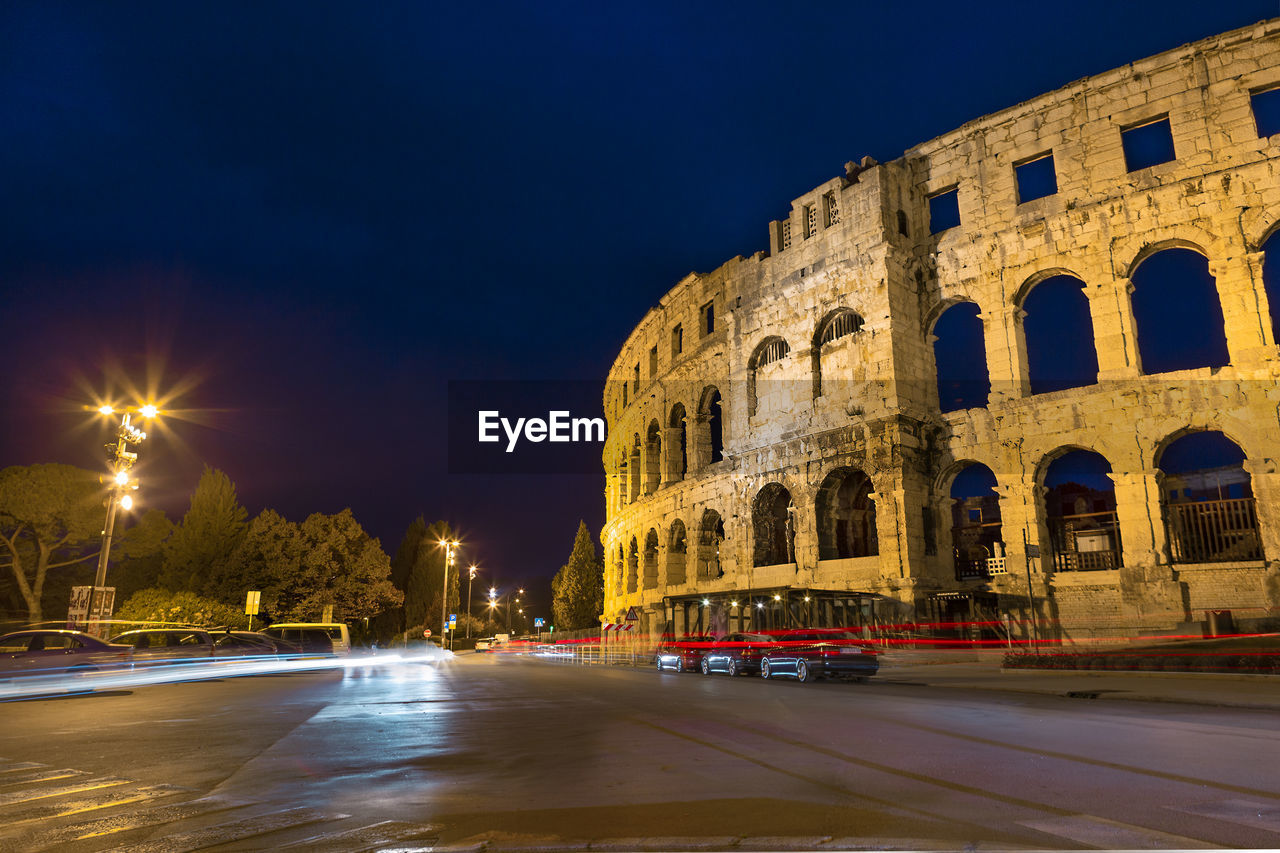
{"x":198,"y":839}
{"x":1113,"y":835}
{"x":1244,"y":812}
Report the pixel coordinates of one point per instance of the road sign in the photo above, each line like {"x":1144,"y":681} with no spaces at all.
{"x":328,"y":614}
{"x":632,"y":616}
{"x":251,"y":602}
{"x":538,"y":622}
{"x":426,"y":633}
{"x":453,"y":621}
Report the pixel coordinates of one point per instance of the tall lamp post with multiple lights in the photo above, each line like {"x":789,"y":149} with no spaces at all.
{"x":471,"y":577}
{"x":121,"y":454}
{"x":450,"y":548}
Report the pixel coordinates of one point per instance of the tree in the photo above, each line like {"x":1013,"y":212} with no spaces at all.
{"x":151,"y":606}
{"x":140,"y":555}
{"x":577,"y":590}
{"x":50,"y":515}
{"x":422,"y":596}
{"x":391,"y":623}
{"x":210,"y":531}
{"x":302,"y":568}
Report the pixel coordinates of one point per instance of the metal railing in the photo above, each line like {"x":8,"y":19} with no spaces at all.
{"x":973,"y":545}
{"x":1221,"y":531}
{"x":1085,"y":542}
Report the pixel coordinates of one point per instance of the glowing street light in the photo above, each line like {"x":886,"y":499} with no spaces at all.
{"x":470,"y":577}
{"x":120,"y":459}
{"x":450,"y":546}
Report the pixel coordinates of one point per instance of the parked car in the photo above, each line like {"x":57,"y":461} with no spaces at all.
{"x":737,"y":654}
{"x":327,"y":638}
{"x":163,"y":646}
{"x":311,"y":638}
{"x":484,"y":645}
{"x":809,"y":654}
{"x":683,"y":655}
{"x":233,"y":644}
{"x":52,"y":651}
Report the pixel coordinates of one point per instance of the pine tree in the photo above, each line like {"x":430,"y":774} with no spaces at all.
{"x":210,"y":531}
{"x":423,"y":591}
{"x":577,"y":591}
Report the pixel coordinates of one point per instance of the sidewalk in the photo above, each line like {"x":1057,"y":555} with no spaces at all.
{"x":981,"y":671}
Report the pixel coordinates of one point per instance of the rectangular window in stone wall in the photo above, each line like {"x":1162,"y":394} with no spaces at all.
{"x":653,"y":361}
{"x":677,"y":341}
{"x":635,"y":381}
{"x":1036,"y":177}
{"x":810,"y":221}
{"x":709,"y":317}
{"x":785,"y":241}
{"x":1266,"y":112}
{"x":833,"y":209}
{"x":1147,"y":144}
{"x":944,"y":211}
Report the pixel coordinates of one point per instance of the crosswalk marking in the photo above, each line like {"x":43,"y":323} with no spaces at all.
{"x":18,"y":765}
{"x":38,"y":776}
{"x":1113,"y":835}
{"x":375,"y":835}
{"x":1244,"y":812}
{"x":12,"y":797}
{"x":105,"y":800}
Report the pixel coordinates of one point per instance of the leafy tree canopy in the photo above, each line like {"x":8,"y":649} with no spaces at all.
{"x":209,"y":532}
{"x":51,"y":515}
{"x":150,"y":606}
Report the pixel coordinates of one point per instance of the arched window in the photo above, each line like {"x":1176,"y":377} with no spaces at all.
{"x":1059,"y":334}
{"x":975,"y":515}
{"x":833,"y":360}
{"x":1271,"y":280}
{"x":771,"y":351}
{"x":1080,"y":508}
{"x":710,"y":426}
{"x":1177,"y":313}
{"x":772,"y":518}
{"x":653,"y":457}
{"x":677,"y":548}
{"x":620,"y":569}
{"x":651,"y":559}
{"x":710,"y":538}
{"x":679,"y":451}
{"x":633,"y":566}
{"x":846,"y":516}
{"x":1210,"y":514}
{"x":633,"y":469}
{"x":961,"y":359}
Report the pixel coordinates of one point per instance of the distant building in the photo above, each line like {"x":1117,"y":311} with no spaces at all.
{"x":792,"y":435}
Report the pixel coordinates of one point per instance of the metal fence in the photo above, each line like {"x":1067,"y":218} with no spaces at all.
{"x":1221,"y":531}
{"x":1085,"y":542}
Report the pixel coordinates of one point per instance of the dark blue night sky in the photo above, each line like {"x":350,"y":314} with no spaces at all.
{"x":309,"y":217}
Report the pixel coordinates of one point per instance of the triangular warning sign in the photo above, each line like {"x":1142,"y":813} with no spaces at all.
{"x":631,"y":615}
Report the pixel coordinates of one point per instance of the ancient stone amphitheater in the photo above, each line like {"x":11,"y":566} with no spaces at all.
{"x":1020,"y":381}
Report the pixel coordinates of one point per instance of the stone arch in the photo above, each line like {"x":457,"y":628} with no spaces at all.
{"x":633,"y":469}
{"x":677,"y":421}
{"x":1270,"y":248}
{"x":620,"y":571}
{"x":677,"y":550}
{"x":838,"y":325}
{"x":650,"y":563}
{"x":960,"y":358}
{"x":976,"y":523}
{"x":710,"y":422}
{"x":1057,"y":328}
{"x":1176,"y":311}
{"x":771,"y":350}
{"x":773,"y":522}
{"x":1079,"y":504}
{"x":633,"y":565}
{"x":652,"y":457}
{"x":710,"y":539}
{"x":846,"y":515}
{"x":1210,"y":513}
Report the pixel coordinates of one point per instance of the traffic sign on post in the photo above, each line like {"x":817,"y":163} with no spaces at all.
{"x":252,"y":601}
{"x":632,"y":616}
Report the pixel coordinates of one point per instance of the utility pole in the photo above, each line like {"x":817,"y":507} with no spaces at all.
{"x":450,"y":546}
{"x":470,"y":578}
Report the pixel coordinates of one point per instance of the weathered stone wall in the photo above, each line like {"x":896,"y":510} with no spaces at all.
{"x":869,"y":400}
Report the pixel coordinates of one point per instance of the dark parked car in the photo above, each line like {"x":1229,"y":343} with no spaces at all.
{"x":737,"y":654}
{"x":50,"y":651}
{"x":809,"y":654}
{"x":159,"y":646}
{"x":242,"y":644}
{"x":683,"y":655}
{"x":311,"y":640}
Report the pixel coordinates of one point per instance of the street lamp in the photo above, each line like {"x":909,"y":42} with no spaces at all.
{"x":450,"y":546}
{"x":470,"y":578}
{"x":120,"y":460}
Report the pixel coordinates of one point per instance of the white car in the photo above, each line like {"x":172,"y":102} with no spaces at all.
{"x":484,"y":645}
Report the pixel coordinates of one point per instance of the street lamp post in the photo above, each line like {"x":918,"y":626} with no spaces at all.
{"x":470,"y":578}
{"x":120,"y":459}
{"x":450,"y":546}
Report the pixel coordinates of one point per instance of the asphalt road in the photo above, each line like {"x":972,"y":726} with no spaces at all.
{"x":524,"y":753}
